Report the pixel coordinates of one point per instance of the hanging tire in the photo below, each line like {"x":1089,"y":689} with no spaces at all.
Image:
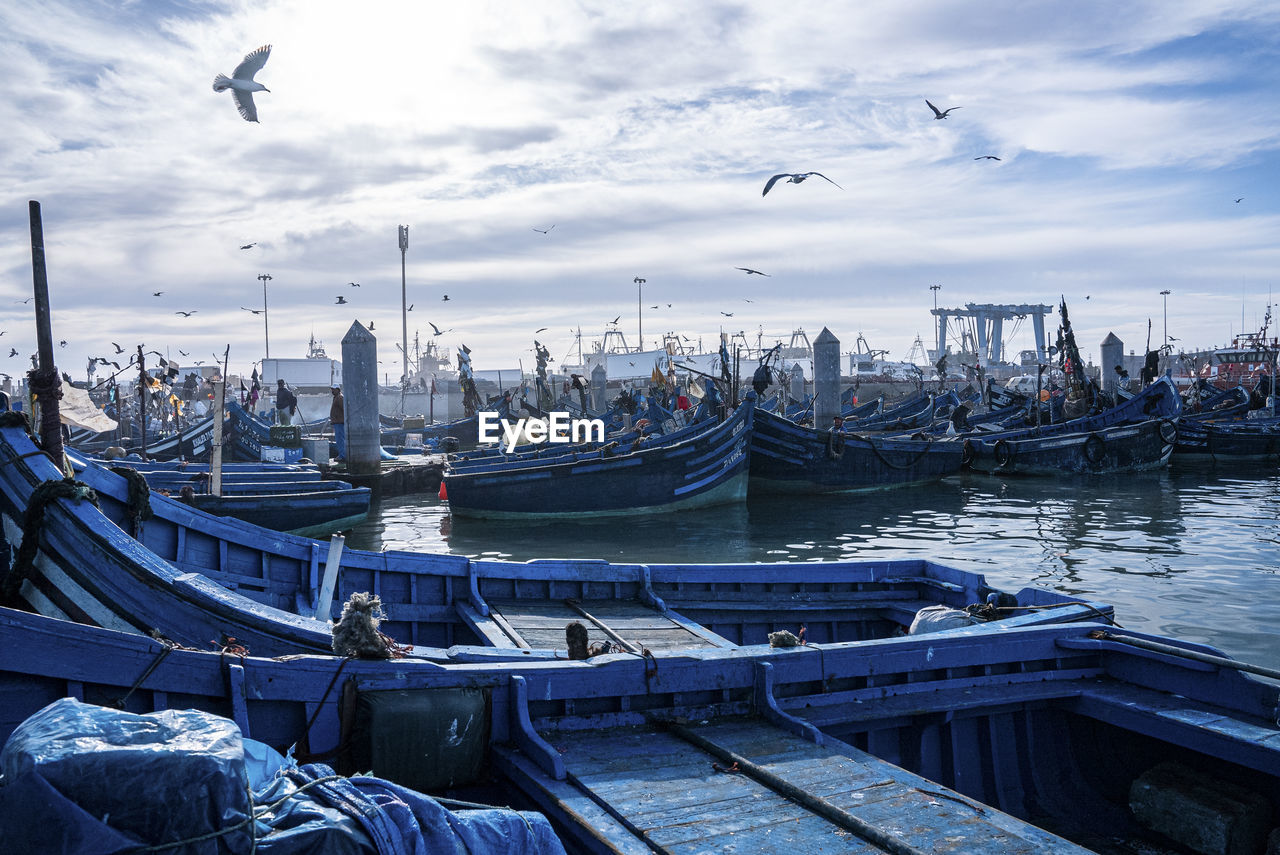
{"x":1094,"y":448}
{"x":1003,"y":453}
{"x":1168,"y":431}
{"x":968,"y":453}
{"x":835,"y":445}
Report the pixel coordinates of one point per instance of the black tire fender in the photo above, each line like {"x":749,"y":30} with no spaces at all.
{"x":1095,"y":447}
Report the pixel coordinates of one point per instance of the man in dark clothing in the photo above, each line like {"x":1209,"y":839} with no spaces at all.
{"x":286,"y":404}
{"x":338,"y":418}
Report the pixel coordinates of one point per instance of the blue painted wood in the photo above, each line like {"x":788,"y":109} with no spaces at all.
{"x":787,"y":457}
{"x":707,"y":468}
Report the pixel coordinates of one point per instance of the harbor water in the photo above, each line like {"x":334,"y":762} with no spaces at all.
{"x":1191,"y":551}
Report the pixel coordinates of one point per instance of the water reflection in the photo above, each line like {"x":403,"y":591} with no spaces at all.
{"x":1192,"y":551}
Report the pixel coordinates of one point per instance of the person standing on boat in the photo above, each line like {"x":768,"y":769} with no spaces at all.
{"x":338,"y":418}
{"x":286,"y":403}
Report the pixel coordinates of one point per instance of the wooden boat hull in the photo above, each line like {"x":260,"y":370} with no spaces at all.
{"x":709,"y":468}
{"x":1228,"y":441}
{"x":195,"y":577}
{"x":1124,"y":448}
{"x":787,"y":457}
{"x":308,"y":514}
{"x":952,"y":743}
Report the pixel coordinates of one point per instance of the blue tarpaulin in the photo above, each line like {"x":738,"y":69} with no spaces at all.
{"x":79,"y":779}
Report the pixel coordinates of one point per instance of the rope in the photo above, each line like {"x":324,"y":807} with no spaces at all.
{"x":249,"y":820}
{"x":875,"y":448}
{"x":1108,"y":618}
{"x":139,"y":505}
{"x":32,"y":521}
{"x":165,"y":649}
{"x":15,"y":418}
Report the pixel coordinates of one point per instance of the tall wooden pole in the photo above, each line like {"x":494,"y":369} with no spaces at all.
{"x":43,"y":379}
{"x":142,"y":399}
{"x":404,"y":316}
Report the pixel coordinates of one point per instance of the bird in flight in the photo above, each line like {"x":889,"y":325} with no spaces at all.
{"x":13,"y":351}
{"x":437,"y":331}
{"x":63,"y":342}
{"x":187,"y":314}
{"x":354,"y":284}
{"x":541,"y":329}
{"x":410,"y":309}
{"x":242,"y":84}
{"x":1238,"y":201}
{"x":183,"y":352}
{"x":793,"y":178}
{"x":249,"y":245}
{"x":651,"y":307}
{"x":445,"y":298}
{"x":341,"y":300}
{"x":118,"y":348}
{"x":749,"y":271}
{"x":255,"y":311}
{"x":939,"y":114}
{"x":749,"y":301}
{"x":547,"y":229}
{"x":156,"y":293}
{"x":28,"y":300}
{"x":727,"y":314}
{"x":985,"y":156}
{"x":615,"y":320}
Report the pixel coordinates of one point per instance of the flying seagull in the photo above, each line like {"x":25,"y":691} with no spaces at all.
{"x":615,"y":320}
{"x":249,"y":245}
{"x":242,"y":84}
{"x":156,"y":293}
{"x":183,"y":352}
{"x":727,"y":314}
{"x":749,"y":271}
{"x":255,"y":311}
{"x":187,"y":314}
{"x":985,"y":156}
{"x":547,"y":229}
{"x":354,"y":284}
{"x":118,"y":348}
{"x":939,"y":114}
{"x":13,"y":351}
{"x":541,"y":329}
{"x":28,"y":300}
{"x":63,"y":342}
{"x":410,"y":309}
{"x":445,"y":298}
{"x":793,"y":178}
{"x":436,"y":330}
{"x":341,"y":300}
{"x":1238,"y":201}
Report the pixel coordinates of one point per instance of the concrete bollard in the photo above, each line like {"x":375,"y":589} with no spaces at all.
{"x":360,"y":395}
{"x":826,"y":379}
{"x":599,"y":380}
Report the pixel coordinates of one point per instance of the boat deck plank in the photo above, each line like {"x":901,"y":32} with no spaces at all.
{"x":679,"y":798}
{"x":541,"y":623}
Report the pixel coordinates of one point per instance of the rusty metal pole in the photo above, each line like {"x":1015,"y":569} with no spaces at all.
{"x":142,"y":399}
{"x":43,"y":379}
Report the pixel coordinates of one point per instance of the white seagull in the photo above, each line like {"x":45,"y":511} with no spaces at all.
{"x":242,"y":84}
{"x":793,"y":178}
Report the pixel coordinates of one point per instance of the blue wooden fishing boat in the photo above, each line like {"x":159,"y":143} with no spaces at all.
{"x":1054,"y":739}
{"x":194,"y":577}
{"x":193,"y":444}
{"x":708,"y":467}
{"x":1136,"y":434}
{"x":787,"y":457}
{"x":1247,"y":439}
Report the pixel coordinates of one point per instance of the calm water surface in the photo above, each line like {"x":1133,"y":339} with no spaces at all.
{"x":1192,"y":551}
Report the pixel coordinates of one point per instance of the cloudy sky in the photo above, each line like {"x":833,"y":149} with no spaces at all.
{"x":639,"y":137}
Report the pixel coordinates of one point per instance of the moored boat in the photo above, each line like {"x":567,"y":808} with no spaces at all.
{"x":788,"y":457}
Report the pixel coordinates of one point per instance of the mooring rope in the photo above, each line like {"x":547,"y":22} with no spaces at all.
{"x":32,"y":522}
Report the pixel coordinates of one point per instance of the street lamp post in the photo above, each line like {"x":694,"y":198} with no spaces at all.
{"x":639,"y":314}
{"x":266,"y":331}
{"x":1165,"y":293}
{"x":934,"y":289}
{"x":404,"y":314}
